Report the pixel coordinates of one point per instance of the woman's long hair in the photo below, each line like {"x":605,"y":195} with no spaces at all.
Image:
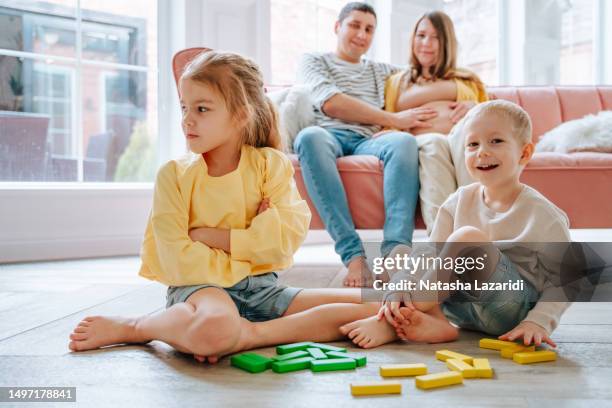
{"x":446,"y":66}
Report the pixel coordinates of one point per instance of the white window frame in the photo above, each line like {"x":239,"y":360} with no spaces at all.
{"x":48,"y":220}
{"x":70,"y":74}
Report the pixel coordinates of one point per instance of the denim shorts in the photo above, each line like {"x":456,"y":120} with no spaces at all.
{"x":493,"y":312}
{"x":258,"y":298}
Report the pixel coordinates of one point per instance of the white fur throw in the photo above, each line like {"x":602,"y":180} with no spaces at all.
{"x":592,"y":133}
{"x":295,"y":111}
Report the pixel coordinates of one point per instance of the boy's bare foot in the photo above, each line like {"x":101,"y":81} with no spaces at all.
{"x":359,"y":274}
{"x":423,"y":327}
{"x":369,"y":332}
{"x":98,"y":331}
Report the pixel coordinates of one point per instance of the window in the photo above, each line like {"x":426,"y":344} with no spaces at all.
{"x":78,"y":90}
{"x":476,"y":28}
{"x":298,"y":27}
{"x":576,"y":67}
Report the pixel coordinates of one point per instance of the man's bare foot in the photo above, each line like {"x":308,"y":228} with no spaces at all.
{"x":359,"y":275}
{"x":426,"y":328}
{"x":98,"y":331}
{"x":369,"y":332}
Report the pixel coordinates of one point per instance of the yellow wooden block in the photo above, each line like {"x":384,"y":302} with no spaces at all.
{"x":482,"y":367}
{"x":466,"y":370}
{"x":528,"y":357}
{"x":376,"y":388}
{"x":508,"y":352}
{"x":444,"y":355}
{"x":495,"y":344}
{"x":428,"y":381}
{"x":402,"y":370}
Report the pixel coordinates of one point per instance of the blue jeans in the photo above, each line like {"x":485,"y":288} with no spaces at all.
{"x":318,"y":149}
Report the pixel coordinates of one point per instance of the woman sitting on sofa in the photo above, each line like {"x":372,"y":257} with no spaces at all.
{"x":433,"y":80}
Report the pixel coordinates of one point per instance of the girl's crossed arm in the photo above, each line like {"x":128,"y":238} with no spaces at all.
{"x":220,"y":237}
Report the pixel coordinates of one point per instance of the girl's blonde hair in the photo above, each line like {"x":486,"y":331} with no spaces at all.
{"x":240,"y":83}
{"x":446,"y":66}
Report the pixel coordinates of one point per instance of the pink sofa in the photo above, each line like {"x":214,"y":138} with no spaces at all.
{"x":578,"y":183}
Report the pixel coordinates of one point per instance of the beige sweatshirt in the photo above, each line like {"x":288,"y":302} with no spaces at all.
{"x":531,"y":219}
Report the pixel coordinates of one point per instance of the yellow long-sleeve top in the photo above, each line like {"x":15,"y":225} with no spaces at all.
{"x":186,"y":197}
{"x":467,"y":90}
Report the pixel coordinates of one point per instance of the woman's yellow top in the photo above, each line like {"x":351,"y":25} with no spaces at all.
{"x":186,"y":197}
{"x":467,"y":90}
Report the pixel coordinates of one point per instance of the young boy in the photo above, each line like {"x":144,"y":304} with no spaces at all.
{"x":493,"y":215}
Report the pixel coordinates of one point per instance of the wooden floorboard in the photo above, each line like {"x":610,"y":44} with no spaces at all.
{"x":41,"y":303}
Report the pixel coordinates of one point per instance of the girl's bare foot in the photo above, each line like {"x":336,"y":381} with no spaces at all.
{"x":210,"y":359}
{"x":98,"y":331}
{"x":369,"y":332}
{"x":423,"y":327}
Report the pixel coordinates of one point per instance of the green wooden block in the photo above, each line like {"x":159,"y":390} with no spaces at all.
{"x":291,"y":356}
{"x":360,"y":360}
{"x":291,"y":365}
{"x":251,"y":362}
{"x":333,"y":364}
{"x":327,"y":347}
{"x":289,"y":348}
{"x":316,"y":353}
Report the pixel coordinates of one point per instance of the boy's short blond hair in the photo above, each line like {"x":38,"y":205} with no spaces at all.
{"x":517,"y":116}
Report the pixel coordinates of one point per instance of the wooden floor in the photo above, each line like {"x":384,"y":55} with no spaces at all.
{"x":40,"y":303}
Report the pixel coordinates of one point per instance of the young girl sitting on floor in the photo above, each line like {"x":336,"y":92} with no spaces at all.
{"x":224,"y":219}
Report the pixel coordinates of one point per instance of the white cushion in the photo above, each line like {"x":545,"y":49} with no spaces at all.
{"x":295,"y":111}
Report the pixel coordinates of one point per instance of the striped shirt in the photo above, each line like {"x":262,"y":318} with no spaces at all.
{"x":327,"y":75}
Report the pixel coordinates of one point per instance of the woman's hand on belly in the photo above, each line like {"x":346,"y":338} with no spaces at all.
{"x":460,"y":109}
{"x":414,"y":118}
{"x":442,"y":123}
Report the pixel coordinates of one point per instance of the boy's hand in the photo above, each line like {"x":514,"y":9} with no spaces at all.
{"x":390,"y":308}
{"x":529,"y":331}
{"x":263,"y":206}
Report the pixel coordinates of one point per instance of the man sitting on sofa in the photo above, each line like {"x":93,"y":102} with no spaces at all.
{"x":348,"y":96}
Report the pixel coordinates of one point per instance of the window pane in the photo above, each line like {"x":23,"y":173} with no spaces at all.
{"x":119,"y":129}
{"x":476,"y":27}
{"x":577,"y":43}
{"x":120,"y":31}
{"x":36,"y":120}
{"x":298,"y":27}
{"x":40,"y":138}
{"x":40,"y":27}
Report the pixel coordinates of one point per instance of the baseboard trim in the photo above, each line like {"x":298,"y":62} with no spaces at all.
{"x":70,"y":248}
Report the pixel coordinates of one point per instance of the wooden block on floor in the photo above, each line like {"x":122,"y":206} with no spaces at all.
{"x":251,"y":362}
{"x":376,"y":388}
{"x":437,"y":380}
{"x":482,"y":367}
{"x":316,"y":353}
{"x":328,"y":347}
{"x":292,"y":365}
{"x":359,"y":359}
{"x":292,"y":356}
{"x":444,"y":355}
{"x":534,"y":356}
{"x":290,"y":348}
{"x":333,"y":364}
{"x":508,"y":352}
{"x":495,"y":344}
{"x":463,"y":368}
{"x":403,"y":370}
